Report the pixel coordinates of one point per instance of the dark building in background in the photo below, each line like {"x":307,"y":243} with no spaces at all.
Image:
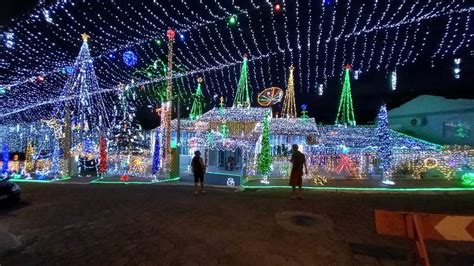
{"x":436,"y":119}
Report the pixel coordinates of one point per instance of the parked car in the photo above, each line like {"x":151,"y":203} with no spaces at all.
{"x":9,"y":192}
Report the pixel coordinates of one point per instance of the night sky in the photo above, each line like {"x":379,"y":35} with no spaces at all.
{"x":369,"y":92}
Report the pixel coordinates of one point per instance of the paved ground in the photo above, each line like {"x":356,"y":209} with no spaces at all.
{"x":72,"y":224}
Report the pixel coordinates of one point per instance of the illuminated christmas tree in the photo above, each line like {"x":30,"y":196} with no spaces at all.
{"x":87,"y":107}
{"x":127,"y":134}
{"x":385,"y":143}
{"x":196,"y":110}
{"x":242,"y":97}
{"x":103,"y":156}
{"x":289,"y":103}
{"x":345,"y":111}
{"x":55,"y":158}
{"x":265,"y":156}
{"x":5,"y":158}
{"x":156,"y":155}
{"x":304,"y":114}
{"x":29,"y":157}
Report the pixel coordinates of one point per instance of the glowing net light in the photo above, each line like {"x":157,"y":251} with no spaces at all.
{"x":47,"y":17}
{"x":356,"y":74}
{"x":457,"y":68}
{"x":468,"y":179}
{"x":230,"y":182}
{"x":320,"y":90}
{"x":129,"y":58}
{"x":9,"y":39}
{"x":232,"y":21}
{"x":349,"y":38}
{"x":69,"y":70}
{"x":277,"y":8}
{"x":393,"y":80}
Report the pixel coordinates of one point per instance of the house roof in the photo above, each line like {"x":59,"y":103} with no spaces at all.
{"x":291,"y":126}
{"x":426,"y":104}
{"x":366,"y":138}
{"x":251,"y":114}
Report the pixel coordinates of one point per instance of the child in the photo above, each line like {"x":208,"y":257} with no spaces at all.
{"x":198,"y":168}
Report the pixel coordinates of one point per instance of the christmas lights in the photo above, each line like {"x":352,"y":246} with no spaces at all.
{"x":5,"y":158}
{"x":199,"y":23}
{"x":265,"y":156}
{"x":130,"y":58}
{"x":393,"y":80}
{"x":289,"y":104}
{"x":345,"y":111}
{"x":196,"y":109}
{"x":457,"y":68}
{"x":242,"y":98}
{"x":39,"y":61}
{"x":385,"y":149}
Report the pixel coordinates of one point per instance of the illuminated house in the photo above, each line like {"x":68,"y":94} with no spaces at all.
{"x":333,"y":151}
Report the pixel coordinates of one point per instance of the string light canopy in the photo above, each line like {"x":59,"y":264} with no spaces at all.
{"x":316,"y":36}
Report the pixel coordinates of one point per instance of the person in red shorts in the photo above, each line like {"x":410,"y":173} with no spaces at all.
{"x":296,"y":178}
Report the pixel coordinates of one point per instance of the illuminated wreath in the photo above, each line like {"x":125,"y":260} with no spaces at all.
{"x":430,"y":163}
{"x":270,"y":96}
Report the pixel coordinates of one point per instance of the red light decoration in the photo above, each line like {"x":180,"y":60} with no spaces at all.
{"x":348,"y":66}
{"x":124,"y":178}
{"x":346,"y":163}
{"x":170,"y":33}
{"x":40,"y":78}
{"x":277,"y":7}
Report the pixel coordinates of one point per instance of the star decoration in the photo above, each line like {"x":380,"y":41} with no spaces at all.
{"x":85,"y":37}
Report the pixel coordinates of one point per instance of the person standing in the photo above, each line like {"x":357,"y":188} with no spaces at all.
{"x":198,"y":168}
{"x":298,"y":160}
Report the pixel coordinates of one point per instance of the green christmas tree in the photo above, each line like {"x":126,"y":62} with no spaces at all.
{"x":265,"y":157}
{"x":345,"y":112}
{"x":304,"y":114}
{"x":242,"y":98}
{"x":196,"y":109}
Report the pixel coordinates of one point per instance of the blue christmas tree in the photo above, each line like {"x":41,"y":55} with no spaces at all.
{"x":5,"y":158}
{"x":156,"y":154}
{"x":385,"y":143}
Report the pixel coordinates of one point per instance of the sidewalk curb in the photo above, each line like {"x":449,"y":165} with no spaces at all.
{"x":348,"y":190}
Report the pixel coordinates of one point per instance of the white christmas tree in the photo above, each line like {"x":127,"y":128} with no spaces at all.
{"x":88,"y":108}
{"x":385,"y":146}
